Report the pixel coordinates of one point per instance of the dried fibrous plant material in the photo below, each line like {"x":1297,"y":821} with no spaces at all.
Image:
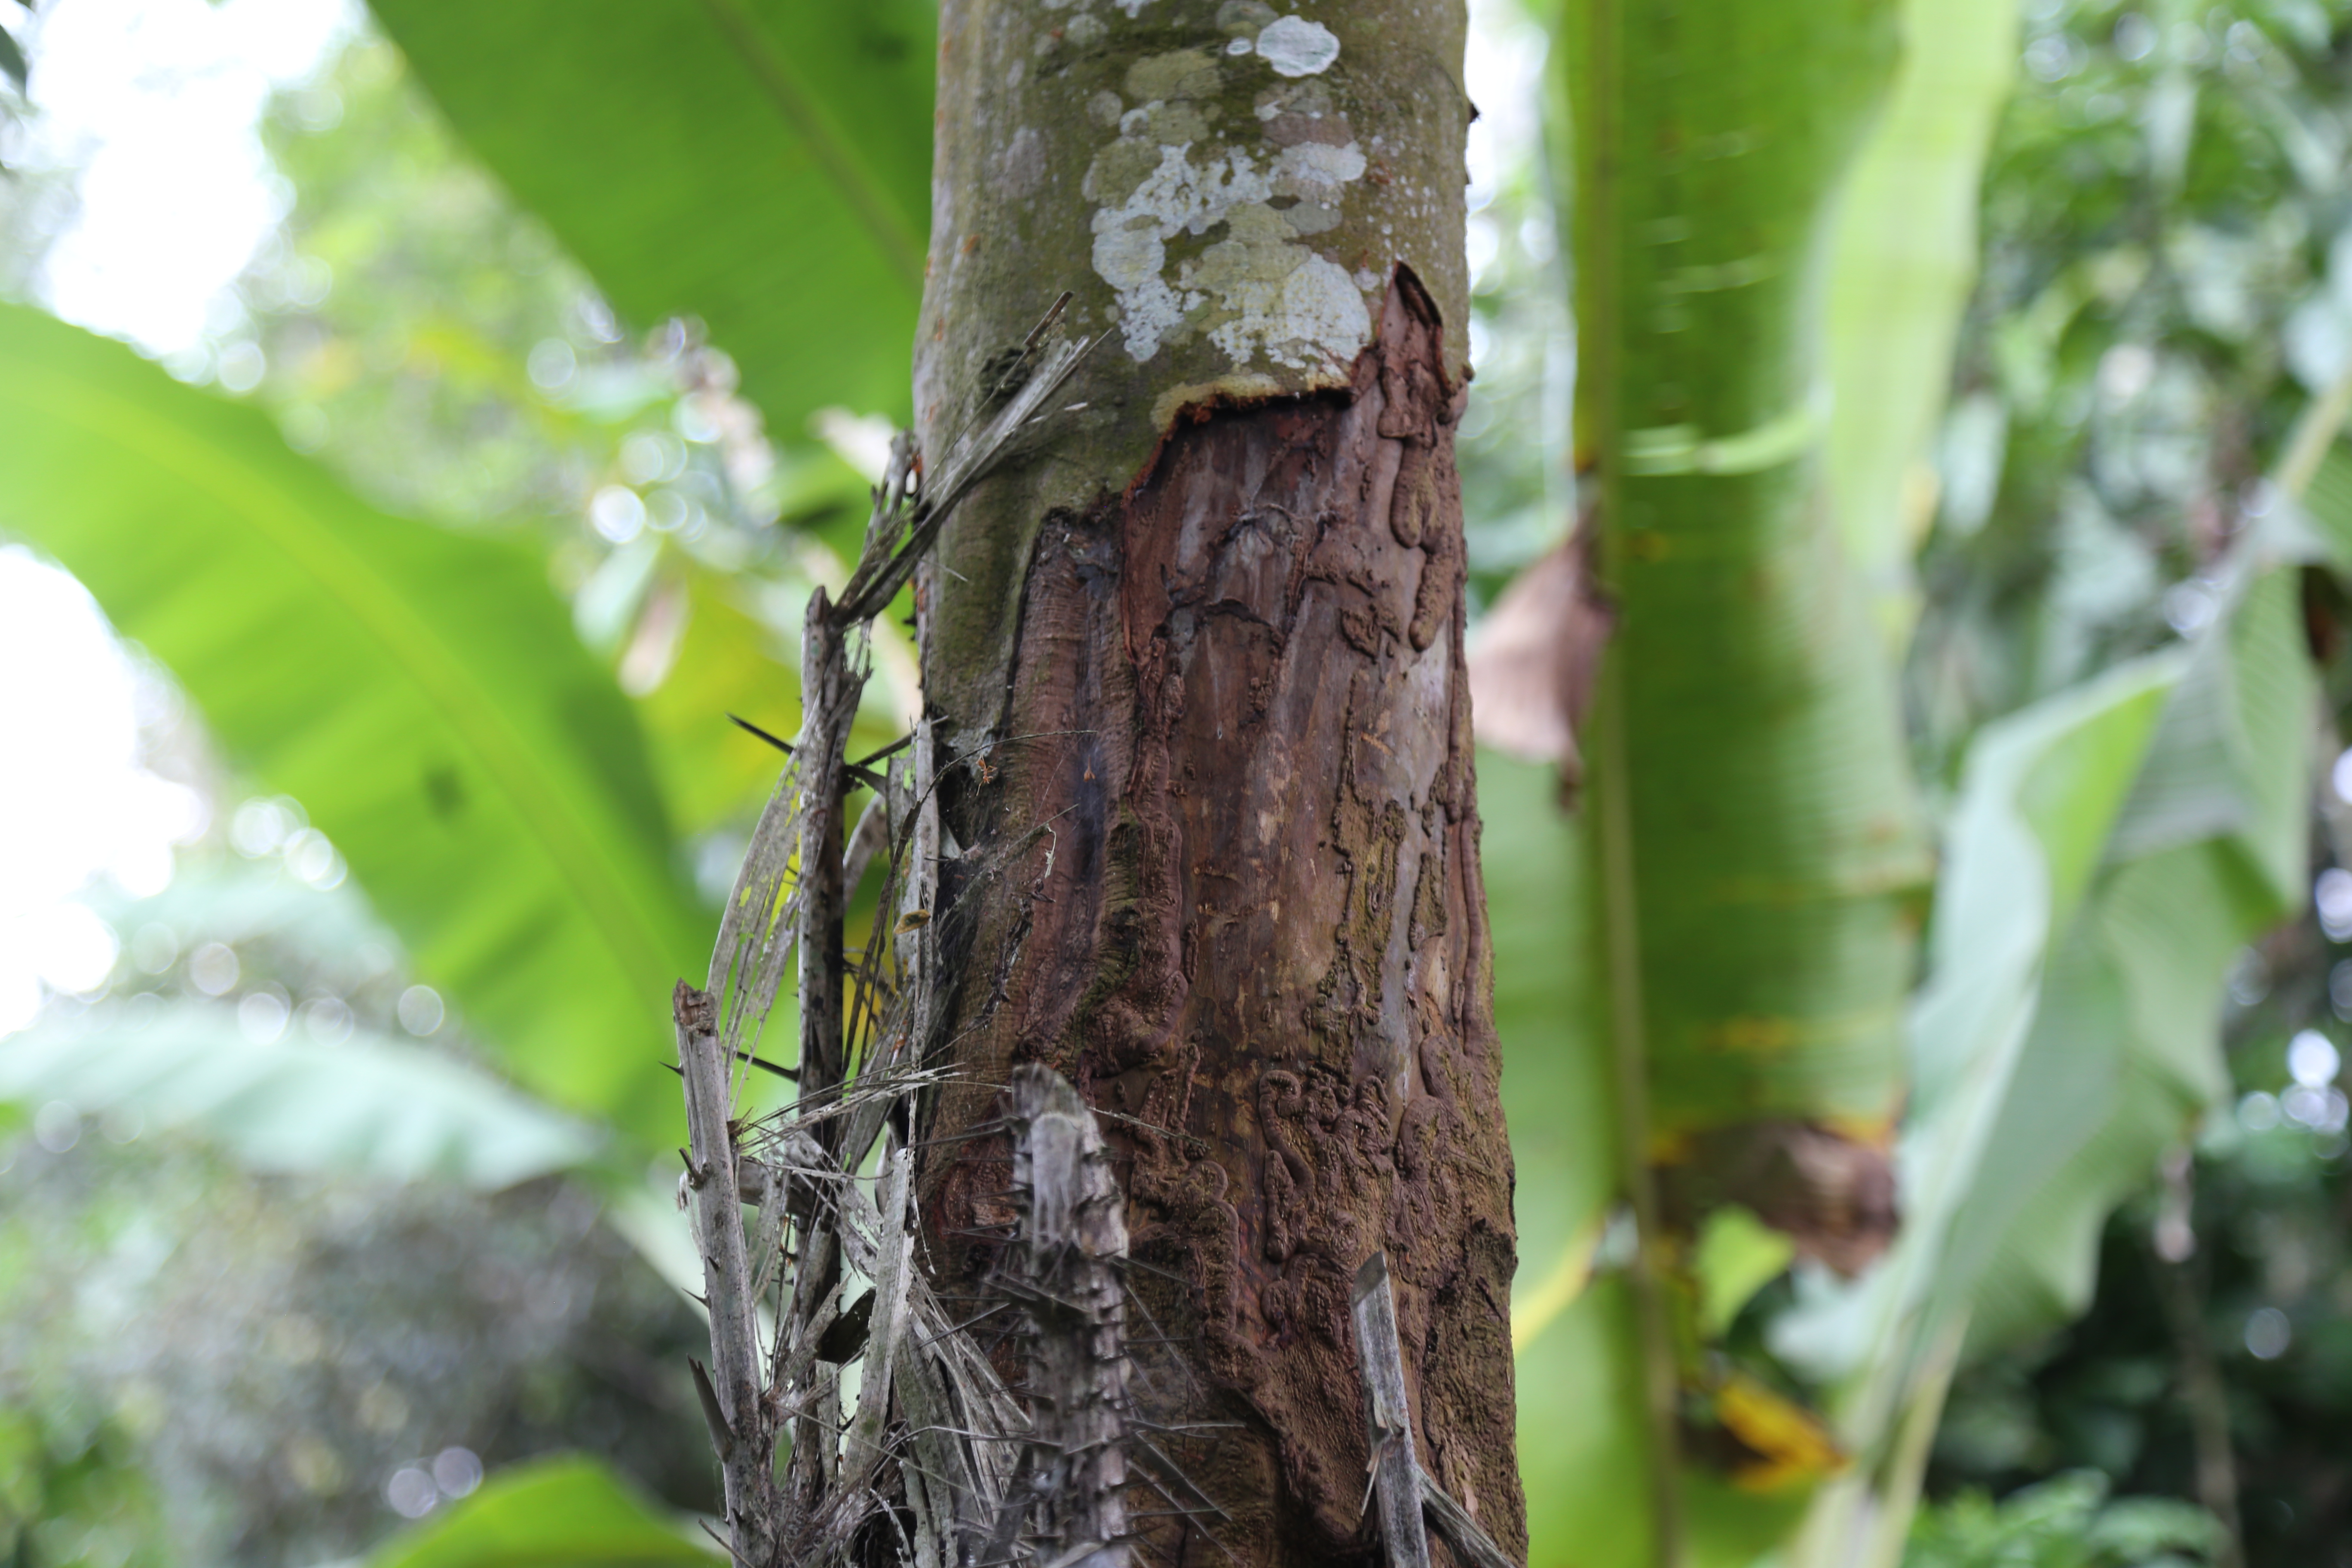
{"x":1407,"y":1502}
{"x":1066,"y":1272}
{"x":935,"y":1461}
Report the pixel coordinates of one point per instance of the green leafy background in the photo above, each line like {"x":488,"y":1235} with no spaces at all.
{"x":418,"y":691}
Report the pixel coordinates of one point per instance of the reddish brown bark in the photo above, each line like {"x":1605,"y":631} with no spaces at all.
{"x":1220,"y":867}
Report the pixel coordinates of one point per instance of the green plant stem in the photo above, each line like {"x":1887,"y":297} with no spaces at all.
{"x":2313,"y":433}
{"x":1620,"y":926}
{"x":1907,"y":1465}
{"x":1621,"y":939}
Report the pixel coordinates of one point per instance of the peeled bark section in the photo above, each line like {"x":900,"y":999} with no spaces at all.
{"x":1221,"y":870}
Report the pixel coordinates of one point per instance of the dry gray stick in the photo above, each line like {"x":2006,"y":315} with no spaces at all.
{"x":1071,"y":1247}
{"x":1388,"y":1417}
{"x":949,"y":1508}
{"x":747,"y":1445}
{"x":851,"y":1499}
{"x":933,"y":1543}
{"x":922,"y":856}
{"x":829,"y":687}
{"x":966,"y":1429}
{"x":829,"y":690}
{"x":890,"y":1030}
{"x":816,"y":1282}
{"x":866,"y":840}
{"x":1471,"y":1545}
{"x":897,"y":1247}
{"x":907,"y":1026}
{"x":879,"y":576}
{"x":948,"y":1388}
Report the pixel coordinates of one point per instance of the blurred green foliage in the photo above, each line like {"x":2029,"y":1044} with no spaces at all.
{"x":429,"y":342}
{"x":203,"y":1362}
{"x":566,"y":1510}
{"x":2165,"y":213}
{"x":440,"y":724}
{"x":2067,"y":1522}
{"x":2157,"y":305}
{"x":770,"y":175}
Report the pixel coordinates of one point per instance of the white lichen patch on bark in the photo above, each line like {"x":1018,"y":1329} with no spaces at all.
{"x":1280,"y":295}
{"x":1180,"y":166}
{"x":1294,"y":45}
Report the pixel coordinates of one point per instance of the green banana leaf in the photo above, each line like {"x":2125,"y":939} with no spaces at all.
{"x":764,"y":165}
{"x":1902,"y":263}
{"x":728,"y":660}
{"x":1556,"y":1077}
{"x":2208,"y":852}
{"x":2114,"y":848}
{"x":2041,"y":794}
{"x":1751,"y":781}
{"x":1579,"y":1408}
{"x":419,"y":692}
{"x":1572,"y":1398}
{"x":569,"y":1511}
{"x":2323,"y":527}
{"x":1757,"y":850}
{"x":1769,"y":287}
{"x":369,"y":1105}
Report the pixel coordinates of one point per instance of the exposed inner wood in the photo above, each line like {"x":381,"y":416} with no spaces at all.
{"x":1219,"y":869}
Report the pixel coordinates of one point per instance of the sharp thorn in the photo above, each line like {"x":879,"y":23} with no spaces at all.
{"x":742,"y":724}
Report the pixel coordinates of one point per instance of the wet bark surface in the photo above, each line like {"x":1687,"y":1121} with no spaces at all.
{"x":1216,"y":861}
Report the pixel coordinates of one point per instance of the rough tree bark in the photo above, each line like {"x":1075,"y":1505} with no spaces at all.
{"x":1202,"y":728}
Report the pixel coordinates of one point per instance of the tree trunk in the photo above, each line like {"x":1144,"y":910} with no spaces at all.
{"x":1195,"y":666}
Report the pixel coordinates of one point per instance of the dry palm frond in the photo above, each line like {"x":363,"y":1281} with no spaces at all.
{"x":923,"y":1467}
